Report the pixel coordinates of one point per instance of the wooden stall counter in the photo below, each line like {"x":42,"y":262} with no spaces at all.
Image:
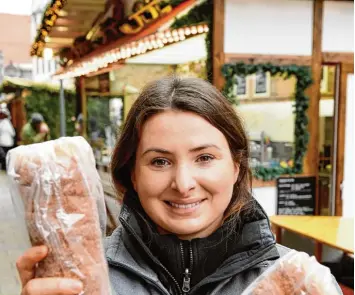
{"x":336,"y":232}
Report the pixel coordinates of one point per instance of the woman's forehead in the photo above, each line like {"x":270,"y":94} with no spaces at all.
{"x":180,"y":129}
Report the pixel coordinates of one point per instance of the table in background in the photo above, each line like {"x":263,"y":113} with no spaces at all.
{"x":336,"y":232}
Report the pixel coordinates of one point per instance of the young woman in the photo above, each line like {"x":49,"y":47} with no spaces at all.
{"x":189,"y":222}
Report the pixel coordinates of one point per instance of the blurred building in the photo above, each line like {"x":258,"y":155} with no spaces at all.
{"x":15,"y":39}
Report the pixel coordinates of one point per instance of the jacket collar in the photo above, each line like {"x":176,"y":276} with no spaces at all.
{"x":136,"y":247}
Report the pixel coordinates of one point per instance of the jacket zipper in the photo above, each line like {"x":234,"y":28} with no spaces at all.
{"x":154,"y":259}
{"x":186,"y":283}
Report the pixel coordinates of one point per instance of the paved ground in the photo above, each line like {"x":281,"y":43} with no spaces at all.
{"x":12,"y":241}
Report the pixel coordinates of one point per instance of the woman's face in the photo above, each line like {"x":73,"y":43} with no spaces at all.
{"x":184,"y":174}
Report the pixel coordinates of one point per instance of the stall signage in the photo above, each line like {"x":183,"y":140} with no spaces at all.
{"x":146,"y":14}
{"x":296,"y":195}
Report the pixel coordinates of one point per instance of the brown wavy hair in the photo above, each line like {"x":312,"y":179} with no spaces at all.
{"x":191,"y":95}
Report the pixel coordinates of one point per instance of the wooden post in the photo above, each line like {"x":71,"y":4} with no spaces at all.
{"x":312,"y":156}
{"x":83,"y":99}
{"x":218,"y":43}
{"x":345,"y":70}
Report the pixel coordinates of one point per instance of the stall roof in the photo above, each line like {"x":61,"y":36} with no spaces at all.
{"x":11,"y":85}
{"x":141,"y":46}
{"x":178,"y":53}
{"x":64,"y":28}
{"x":65,"y":20}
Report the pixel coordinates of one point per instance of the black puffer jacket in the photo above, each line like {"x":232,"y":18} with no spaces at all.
{"x":143,"y":262}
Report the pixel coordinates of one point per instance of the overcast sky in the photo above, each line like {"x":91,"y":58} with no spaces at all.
{"x":15,"y":6}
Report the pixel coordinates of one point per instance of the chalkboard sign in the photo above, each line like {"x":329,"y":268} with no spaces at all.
{"x":296,"y":195}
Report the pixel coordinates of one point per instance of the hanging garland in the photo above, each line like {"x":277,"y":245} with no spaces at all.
{"x":301,"y":134}
{"x":201,"y":13}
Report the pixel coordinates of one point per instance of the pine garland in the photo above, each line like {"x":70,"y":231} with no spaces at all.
{"x":201,"y":13}
{"x":301,"y":134}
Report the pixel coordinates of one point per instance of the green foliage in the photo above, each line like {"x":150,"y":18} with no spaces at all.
{"x":202,"y":13}
{"x":304,"y":80}
{"x":99,"y":110}
{"x":44,"y":99}
{"x":47,"y":103}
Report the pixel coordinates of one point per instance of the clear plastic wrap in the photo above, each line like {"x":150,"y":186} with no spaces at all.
{"x":57,"y":190}
{"x":296,"y":273}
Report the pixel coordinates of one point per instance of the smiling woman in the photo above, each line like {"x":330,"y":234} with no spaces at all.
{"x":186,"y":183}
{"x":182,"y":165}
{"x":189,"y":222}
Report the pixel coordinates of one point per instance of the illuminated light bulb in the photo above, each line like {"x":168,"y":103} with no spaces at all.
{"x":181,"y":32}
{"x":187,"y":31}
{"x":206,"y":29}
{"x":193,"y":30}
{"x":165,"y":40}
{"x":182,"y":38}
{"x":168,"y":34}
{"x":176,"y":38}
{"x":160,"y":35}
{"x":200,"y":29}
{"x":174,"y":33}
{"x":171,"y":40}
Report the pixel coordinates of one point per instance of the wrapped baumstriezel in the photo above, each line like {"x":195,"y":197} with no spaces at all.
{"x":296,"y":273}
{"x":56,"y":188}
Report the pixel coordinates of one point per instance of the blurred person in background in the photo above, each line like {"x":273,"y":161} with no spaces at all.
{"x":35,"y":131}
{"x":79,"y":126}
{"x":7,"y":134}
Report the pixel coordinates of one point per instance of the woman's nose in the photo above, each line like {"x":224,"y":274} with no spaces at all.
{"x":184,"y":180}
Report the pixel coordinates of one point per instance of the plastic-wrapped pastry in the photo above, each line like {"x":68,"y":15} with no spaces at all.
{"x":56,"y":188}
{"x":296,"y":273}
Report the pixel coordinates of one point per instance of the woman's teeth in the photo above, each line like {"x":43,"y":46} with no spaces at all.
{"x":184,"y":206}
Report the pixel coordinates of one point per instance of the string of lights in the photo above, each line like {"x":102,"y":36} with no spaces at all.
{"x":49,"y":18}
{"x":149,"y":43}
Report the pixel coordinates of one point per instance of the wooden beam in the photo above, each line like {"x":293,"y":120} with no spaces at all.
{"x":312,"y":156}
{"x":301,"y":60}
{"x":218,"y":43}
{"x":265,"y":58}
{"x":338,"y":57}
{"x":83,"y":99}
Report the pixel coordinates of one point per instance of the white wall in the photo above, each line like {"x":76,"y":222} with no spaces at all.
{"x":349,"y":153}
{"x":266,"y":196}
{"x":338,"y":26}
{"x":268,"y":27}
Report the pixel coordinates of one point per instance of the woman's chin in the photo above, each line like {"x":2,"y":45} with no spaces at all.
{"x":189,"y":229}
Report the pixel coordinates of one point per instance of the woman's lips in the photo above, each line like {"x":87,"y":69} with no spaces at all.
{"x":186,"y":208}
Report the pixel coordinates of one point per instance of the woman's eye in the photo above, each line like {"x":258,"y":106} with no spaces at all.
{"x":205,"y":158}
{"x":160,"y":162}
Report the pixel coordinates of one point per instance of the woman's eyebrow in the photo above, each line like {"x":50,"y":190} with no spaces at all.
{"x":202,"y":147}
{"x":166,"y":152}
{"x":157,"y":150}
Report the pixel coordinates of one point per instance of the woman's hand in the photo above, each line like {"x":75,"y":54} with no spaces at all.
{"x":43,"y":286}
